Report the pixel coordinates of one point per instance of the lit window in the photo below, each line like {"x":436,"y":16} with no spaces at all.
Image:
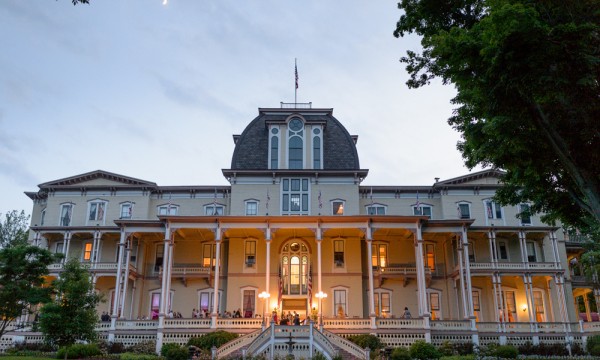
{"x":464,"y":211}
{"x":213,"y":210}
{"x":66,"y":211}
{"x":493,"y":210}
{"x":376,"y":210}
{"x":251,"y":208}
{"x":250,"y":253}
{"x":126,"y":210}
{"x":209,"y":255}
{"x":338,"y":253}
{"x":476,"y":304}
{"x":433,"y":301}
{"x":340,"y":303}
{"x":430,"y":256}
{"x":337,"y":207}
{"x":379,"y":255}
{"x":424,"y":210}
{"x":294,"y":198}
{"x":525,"y":214}
{"x":168,"y":209}
{"x":249,"y":301}
{"x":87,"y":251}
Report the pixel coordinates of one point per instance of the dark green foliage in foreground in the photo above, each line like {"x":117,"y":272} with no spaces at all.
{"x":216,"y":338}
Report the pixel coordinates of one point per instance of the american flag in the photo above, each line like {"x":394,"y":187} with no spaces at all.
{"x":320,"y":200}
{"x":296,"y":73}
{"x":268,"y":199}
{"x":309,"y":288}
{"x":418,"y":204}
{"x":280,"y":293}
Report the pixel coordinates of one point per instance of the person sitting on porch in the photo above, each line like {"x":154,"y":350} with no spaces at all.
{"x":406,"y":314}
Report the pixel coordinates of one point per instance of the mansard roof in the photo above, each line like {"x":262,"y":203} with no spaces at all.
{"x":90,"y":177}
{"x":252,"y":146}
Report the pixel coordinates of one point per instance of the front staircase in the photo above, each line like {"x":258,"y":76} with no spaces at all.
{"x":303,"y":341}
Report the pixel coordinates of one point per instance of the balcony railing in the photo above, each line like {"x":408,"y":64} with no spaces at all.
{"x":99,"y":266}
{"x":307,"y":105}
{"x":474,"y":266}
{"x":188,"y":270}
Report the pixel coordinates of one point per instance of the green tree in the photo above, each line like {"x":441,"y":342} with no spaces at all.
{"x":72,"y":316}
{"x":527,"y":75}
{"x":22,"y":270}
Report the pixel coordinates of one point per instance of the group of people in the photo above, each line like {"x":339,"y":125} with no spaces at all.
{"x":289,"y":319}
{"x":104,"y":317}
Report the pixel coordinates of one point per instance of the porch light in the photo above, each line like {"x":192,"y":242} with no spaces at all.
{"x":264,"y":296}
{"x":321,"y":295}
{"x":524,"y":308}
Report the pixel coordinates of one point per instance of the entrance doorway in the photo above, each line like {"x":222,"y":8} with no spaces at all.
{"x":291,"y":306}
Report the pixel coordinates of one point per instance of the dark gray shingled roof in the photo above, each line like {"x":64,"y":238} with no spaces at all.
{"x":251,"y":150}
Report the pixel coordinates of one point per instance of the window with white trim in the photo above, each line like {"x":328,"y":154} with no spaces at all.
{"x":248,"y":302}
{"x":476,"y":294}
{"x":464,"y":210}
{"x":209,"y":255}
{"x":274,"y":149}
{"x":538,"y":303}
{"x":338,"y":253}
{"x":434,"y":304}
{"x":493,"y":210}
{"x":158,"y":258}
{"x":250,"y":253}
{"x":155,"y":303}
{"x":251,"y":207}
{"x":294,"y":196}
{"x":502,"y":250}
{"x":206,"y":300}
{"x":531,"y":253}
{"x":59,"y":247}
{"x":295,"y":144}
{"x":87,"y":251}
{"x":376,"y":209}
{"x":126,"y":210}
{"x":378,"y":255}
{"x":525,"y":214}
{"x":66,"y":211}
{"x":42,"y":217}
{"x":424,"y":210}
{"x":96,"y":210}
{"x":340,"y":302}
{"x":316,"y":153}
{"x":213,"y":210}
{"x":383,"y":303}
{"x":430,"y":256}
{"x":471,"y":251}
{"x":337,"y":207}
{"x":167,"y":209}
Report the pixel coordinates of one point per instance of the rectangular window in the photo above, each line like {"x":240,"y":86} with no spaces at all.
{"x":503,"y":251}
{"x":59,"y":248}
{"x":250,"y":253}
{"x":511,"y":306}
{"x":251,"y":208}
{"x":126,"y":211}
{"x":66,"y":211}
{"x":155,"y":306}
{"x":476,"y":304}
{"x":471,"y":251}
{"x":206,"y":301}
{"x":339,"y":303}
{"x":538,"y":301}
{"x":167,"y":210}
{"x":422,"y":210}
{"x":338,"y":207}
{"x":213,"y":210}
{"x":338,"y":253}
{"x":376,"y":210}
{"x":531,"y":251}
{"x":379,"y":255}
{"x":464,"y":211}
{"x":525,"y":215}
{"x":43,"y":217}
{"x":158,"y":260}
{"x":493,"y":210}
{"x":385,"y":304}
{"x":209,"y":255}
{"x":430,"y":256}
{"x":434,"y":305}
{"x":97,"y":211}
{"x":294,"y":197}
{"x":87,"y":251}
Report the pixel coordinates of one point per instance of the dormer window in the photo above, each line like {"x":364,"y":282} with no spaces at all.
{"x":317,"y":148}
{"x":295,"y":144}
{"x":274,"y":148}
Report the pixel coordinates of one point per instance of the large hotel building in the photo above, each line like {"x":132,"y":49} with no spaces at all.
{"x":296,"y":232}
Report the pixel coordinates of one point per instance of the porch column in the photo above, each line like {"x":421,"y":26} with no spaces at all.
{"x":164,"y":290}
{"x":523,"y":247}
{"x":421,"y":282}
{"x":116,"y":300}
{"x":67,"y":245}
{"x":215,"y":310}
{"x":369,"y":240}
{"x":496,"y":302}
{"x":588,"y":312}
{"x":319,"y":239}
{"x":268,"y":264}
{"x":492,"y":244}
{"x":529,"y":298}
{"x":95,"y":246}
{"x":555,"y":252}
{"x":126,"y":275}
{"x":597,"y":297}
{"x":36,"y":239}
{"x":462,"y":279}
{"x":469,"y":290}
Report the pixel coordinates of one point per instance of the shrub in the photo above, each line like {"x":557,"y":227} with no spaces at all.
{"x":506,"y":352}
{"x":146,"y":347}
{"x":367,"y":341}
{"x":168,"y":347}
{"x":111,"y":347}
{"x":319,"y":356}
{"x":446,"y":349}
{"x":132,"y":356}
{"x":400,"y":353}
{"x":78,"y":351}
{"x":592,"y":341}
{"x":422,"y":350}
{"x":174,"y":352}
{"x":216,"y":338}
{"x":464,"y":348}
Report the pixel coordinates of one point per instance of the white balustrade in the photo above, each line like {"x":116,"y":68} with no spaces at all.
{"x":187,"y":323}
{"x":239,"y":323}
{"x":333,"y":323}
{"x":399,"y":323}
{"x":450,"y":324}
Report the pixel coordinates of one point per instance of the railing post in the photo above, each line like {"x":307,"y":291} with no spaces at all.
{"x":213,"y":351}
{"x":272,"y":342}
{"x":310,"y":337}
{"x":367,"y":353}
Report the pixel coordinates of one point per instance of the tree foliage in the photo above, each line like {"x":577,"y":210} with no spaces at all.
{"x":527,"y":75}
{"x":72,"y":315}
{"x":22,"y":270}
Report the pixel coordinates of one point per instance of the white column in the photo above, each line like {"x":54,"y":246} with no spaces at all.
{"x":126,"y":276}
{"x":369,"y":240}
{"x":421,"y":282}
{"x":496,"y":302}
{"x":528,"y":296}
{"x":268,"y":265}
{"x":215,"y":310}
{"x":115,"y":308}
{"x":67,"y":245}
{"x":319,"y":239}
{"x":492,"y":242}
{"x":469,"y":291}
{"x":95,"y":245}
{"x":164,"y":290}
{"x":555,"y":252}
{"x":523,"y":246}
{"x":462,"y":281}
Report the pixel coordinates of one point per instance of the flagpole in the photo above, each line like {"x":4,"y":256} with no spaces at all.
{"x":295,"y":82}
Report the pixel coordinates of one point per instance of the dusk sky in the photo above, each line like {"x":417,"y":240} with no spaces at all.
{"x":156,"y":91}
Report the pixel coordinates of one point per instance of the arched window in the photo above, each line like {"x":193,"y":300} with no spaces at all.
{"x":295,"y":144}
{"x":295,"y":268}
{"x":316,"y":150}
{"x":274,"y":155}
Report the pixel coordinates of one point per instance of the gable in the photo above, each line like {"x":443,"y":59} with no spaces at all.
{"x":97,"y":178}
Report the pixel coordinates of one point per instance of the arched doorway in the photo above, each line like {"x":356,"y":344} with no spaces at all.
{"x":296,"y":278}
